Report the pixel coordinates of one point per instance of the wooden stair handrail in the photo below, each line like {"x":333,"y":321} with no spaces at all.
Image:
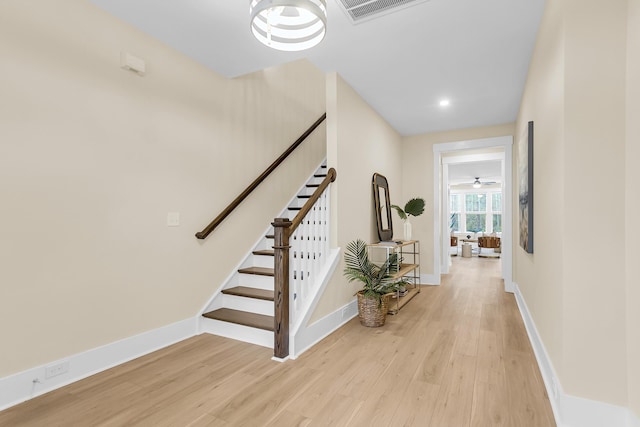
{"x":236,"y":202}
{"x":283,"y":228}
{"x":331,"y":176}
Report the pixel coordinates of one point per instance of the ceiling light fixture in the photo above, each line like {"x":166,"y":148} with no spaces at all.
{"x":445,"y":103}
{"x":288,"y":25}
{"x":476,"y":183}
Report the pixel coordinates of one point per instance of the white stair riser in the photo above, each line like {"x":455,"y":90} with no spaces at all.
{"x":299,"y":201}
{"x":256,"y":281}
{"x":251,"y":305}
{"x":317,"y":179}
{"x":217,"y":303}
{"x":266,"y":261}
{"x":237,"y":332}
{"x":307,"y":191}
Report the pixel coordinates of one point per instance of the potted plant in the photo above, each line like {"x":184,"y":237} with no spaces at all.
{"x":377,"y":281}
{"x":414,"y":207}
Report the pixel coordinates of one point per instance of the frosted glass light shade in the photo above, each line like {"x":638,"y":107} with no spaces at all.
{"x":288,"y":25}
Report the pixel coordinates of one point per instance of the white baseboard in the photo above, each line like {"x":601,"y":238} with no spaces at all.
{"x":28,"y":384}
{"x":429,"y":279}
{"x":570,"y":411}
{"x":509,"y":286}
{"x":579,"y":412}
{"x":312,"y":334}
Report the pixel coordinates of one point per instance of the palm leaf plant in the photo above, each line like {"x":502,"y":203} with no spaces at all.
{"x":377,"y":280}
{"x":414,"y":207}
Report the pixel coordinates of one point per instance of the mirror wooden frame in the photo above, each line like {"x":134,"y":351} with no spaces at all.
{"x":382,"y":207}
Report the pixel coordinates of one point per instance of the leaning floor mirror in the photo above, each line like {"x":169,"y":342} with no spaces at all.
{"x":382,"y":207}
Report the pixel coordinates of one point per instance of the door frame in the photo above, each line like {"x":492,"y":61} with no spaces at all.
{"x":441,"y":238}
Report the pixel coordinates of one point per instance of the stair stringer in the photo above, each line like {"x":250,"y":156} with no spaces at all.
{"x":299,"y":330}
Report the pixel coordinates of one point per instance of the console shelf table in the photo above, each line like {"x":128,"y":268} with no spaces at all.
{"x":409,"y":253}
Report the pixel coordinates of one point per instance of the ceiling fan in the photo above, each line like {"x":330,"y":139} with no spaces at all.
{"x":478,"y":184}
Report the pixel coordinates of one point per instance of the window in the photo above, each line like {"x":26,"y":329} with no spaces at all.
{"x":455,"y":209}
{"x":455,"y":222}
{"x":475,"y":202}
{"x":475,"y":208}
{"x":497,"y":223}
{"x":496,"y":202}
{"x":496,"y":211}
{"x":476,"y":222}
{"x":476,"y":211}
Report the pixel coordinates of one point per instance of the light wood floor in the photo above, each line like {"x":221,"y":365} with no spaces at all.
{"x":456,"y":355}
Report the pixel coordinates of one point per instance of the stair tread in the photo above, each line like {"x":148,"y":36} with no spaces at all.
{"x":267,"y":252}
{"x":294,"y":208}
{"x":313,"y":185}
{"x":304,"y":196}
{"x":260,"y":271}
{"x":319,"y":175}
{"x":245,"y":318}
{"x":269,"y":236}
{"x":244,"y":291}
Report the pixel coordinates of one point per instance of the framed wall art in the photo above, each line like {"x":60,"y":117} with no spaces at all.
{"x":525,"y":189}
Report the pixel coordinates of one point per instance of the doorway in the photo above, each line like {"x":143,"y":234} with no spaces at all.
{"x":455,"y":153}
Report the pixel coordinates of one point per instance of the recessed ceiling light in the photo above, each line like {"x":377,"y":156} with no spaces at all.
{"x":444,"y":102}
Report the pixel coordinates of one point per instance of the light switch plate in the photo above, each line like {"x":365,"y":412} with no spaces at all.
{"x":173,"y":219}
{"x":132,"y":63}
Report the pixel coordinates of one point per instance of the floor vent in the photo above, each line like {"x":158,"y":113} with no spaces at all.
{"x":363,"y":10}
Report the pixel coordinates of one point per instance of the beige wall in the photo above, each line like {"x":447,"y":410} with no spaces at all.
{"x":575,"y":94}
{"x":594,"y":341}
{"x":633,"y":203}
{"x":540,"y":275}
{"x":417,"y":179}
{"x":92,"y":158}
{"x":359,"y":143}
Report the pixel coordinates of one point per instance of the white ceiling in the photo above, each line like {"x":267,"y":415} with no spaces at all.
{"x":466,"y":173}
{"x":476,"y":53}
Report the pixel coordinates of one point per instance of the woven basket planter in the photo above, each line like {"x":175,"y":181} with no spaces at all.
{"x":370,"y":313}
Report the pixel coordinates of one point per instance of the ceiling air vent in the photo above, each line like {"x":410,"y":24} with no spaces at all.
{"x":363,"y":10}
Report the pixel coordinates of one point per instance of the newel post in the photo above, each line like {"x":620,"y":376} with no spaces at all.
{"x":281,"y":289}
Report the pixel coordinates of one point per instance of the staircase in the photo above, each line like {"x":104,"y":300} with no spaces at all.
{"x":244,"y":308}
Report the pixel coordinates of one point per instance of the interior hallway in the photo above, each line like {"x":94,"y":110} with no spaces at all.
{"x":456,"y":355}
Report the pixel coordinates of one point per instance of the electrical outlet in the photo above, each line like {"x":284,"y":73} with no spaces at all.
{"x":57,"y":369}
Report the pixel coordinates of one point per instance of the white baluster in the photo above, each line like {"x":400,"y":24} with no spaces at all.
{"x":294,"y":262}
{"x":309,"y":252}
